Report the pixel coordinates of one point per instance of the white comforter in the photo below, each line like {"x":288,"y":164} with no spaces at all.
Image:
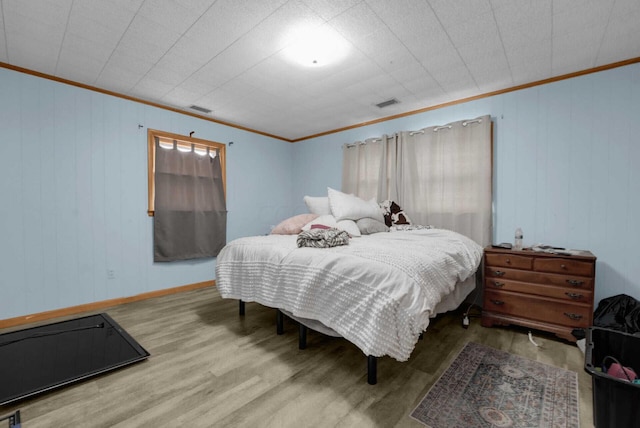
{"x":377,"y":292}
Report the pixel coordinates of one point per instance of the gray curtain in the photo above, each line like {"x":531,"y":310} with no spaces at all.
{"x":190,"y":219}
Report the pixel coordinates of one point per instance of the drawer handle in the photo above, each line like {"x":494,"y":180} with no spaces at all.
{"x":563,"y":266}
{"x":498,"y":273}
{"x":572,"y":316}
{"x":575,"y":282}
{"x":498,"y":284}
{"x":574,"y":296}
{"x":508,"y":261}
{"x":497,"y":302}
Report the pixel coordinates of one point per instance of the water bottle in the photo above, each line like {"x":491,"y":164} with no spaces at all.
{"x":517,"y":245}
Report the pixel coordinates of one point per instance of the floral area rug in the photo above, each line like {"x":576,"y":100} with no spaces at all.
{"x":485,"y":387}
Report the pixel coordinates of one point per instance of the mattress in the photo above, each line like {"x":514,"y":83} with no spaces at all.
{"x":379,"y":291}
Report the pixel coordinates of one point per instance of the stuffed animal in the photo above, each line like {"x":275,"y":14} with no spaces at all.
{"x":393,"y":214}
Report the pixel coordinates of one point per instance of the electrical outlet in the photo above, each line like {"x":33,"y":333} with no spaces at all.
{"x":111,"y":274}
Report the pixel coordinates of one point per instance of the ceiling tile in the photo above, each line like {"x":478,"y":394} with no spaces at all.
{"x":357,"y":23}
{"x":452,"y":79}
{"x":32,"y":54}
{"x":482,"y":53}
{"x":410,"y":72}
{"x":184,"y":65}
{"x":42,"y":12}
{"x":216,"y":72}
{"x":226,"y":21}
{"x":169,"y":15}
{"x":150,"y":89}
{"x":593,"y":17}
{"x":192,"y":85}
{"x":118,"y":79}
{"x":622,"y":38}
{"x":3,"y":38}
{"x":482,"y":29}
{"x":76,"y":49}
{"x":574,"y":51}
{"x":166,"y":75}
{"x":523,"y":20}
{"x":19,"y":28}
{"x":197,"y":6}
{"x":124,"y":70}
{"x":619,"y":48}
{"x":147,"y":40}
{"x":85,"y":71}
{"x":328,"y":9}
{"x":455,"y":13}
{"x":416,"y":26}
{"x":228,"y":55}
{"x":423,"y":87}
{"x":429,"y":97}
{"x":533,"y":70}
{"x":100,"y":21}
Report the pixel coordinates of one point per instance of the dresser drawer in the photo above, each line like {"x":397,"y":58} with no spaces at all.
{"x":538,"y":308}
{"x":570,"y":281}
{"x":509,"y":260}
{"x":538,"y":289}
{"x":564,"y":266}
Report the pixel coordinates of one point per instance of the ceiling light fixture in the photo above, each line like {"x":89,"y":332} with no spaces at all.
{"x":315,"y":46}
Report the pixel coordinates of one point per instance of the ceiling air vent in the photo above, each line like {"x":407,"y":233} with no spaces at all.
{"x":387,"y":103}
{"x":200,"y":109}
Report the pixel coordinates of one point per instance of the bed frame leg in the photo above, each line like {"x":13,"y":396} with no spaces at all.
{"x":241,"y":307}
{"x":279,"y":322}
{"x":302,"y":337}
{"x":372,"y":370}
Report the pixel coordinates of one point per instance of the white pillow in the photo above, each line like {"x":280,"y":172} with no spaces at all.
{"x":318,"y":204}
{"x":348,"y":226}
{"x":351,"y":207}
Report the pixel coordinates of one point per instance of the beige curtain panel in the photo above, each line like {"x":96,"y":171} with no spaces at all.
{"x":440,"y":176}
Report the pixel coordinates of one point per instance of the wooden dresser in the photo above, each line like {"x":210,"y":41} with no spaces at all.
{"x":538,"y":290}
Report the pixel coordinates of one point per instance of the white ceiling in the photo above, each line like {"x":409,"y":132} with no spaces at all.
{"x":226,"y":55}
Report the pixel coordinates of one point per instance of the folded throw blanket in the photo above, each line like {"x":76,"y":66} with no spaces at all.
{"x":403,"y":227}
{"x":322,"y":238}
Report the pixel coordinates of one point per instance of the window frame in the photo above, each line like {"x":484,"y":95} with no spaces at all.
{"x":196,"y":142}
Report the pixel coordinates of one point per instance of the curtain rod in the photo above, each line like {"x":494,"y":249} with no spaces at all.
{"x":362,"y":143}
{"x":447,"y":126}
{"x":467,"y":122}
{"x":412,"y":133}
{"x":348,"y":146}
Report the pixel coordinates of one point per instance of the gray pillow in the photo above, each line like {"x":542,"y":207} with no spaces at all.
{"x":369,"y":225}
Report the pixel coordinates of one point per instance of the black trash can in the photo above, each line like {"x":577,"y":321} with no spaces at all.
{"x":616,"y":402}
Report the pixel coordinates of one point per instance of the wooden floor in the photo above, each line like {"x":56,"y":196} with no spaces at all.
{"x":211,"y":368}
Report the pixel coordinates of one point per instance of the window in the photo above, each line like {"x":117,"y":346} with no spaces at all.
{"x":440,"y":175}
{"x":186,"y":197}
{"x":183,"y":143}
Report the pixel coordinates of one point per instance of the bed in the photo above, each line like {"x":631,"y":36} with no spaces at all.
{"x":379,"y":291}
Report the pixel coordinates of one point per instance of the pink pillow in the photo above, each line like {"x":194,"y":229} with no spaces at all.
{"x":293,"y":225}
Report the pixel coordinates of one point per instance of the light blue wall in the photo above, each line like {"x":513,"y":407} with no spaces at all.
{"x":73,"y":194}
{"x":566,"y":167}
{"x":73,"y":182}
